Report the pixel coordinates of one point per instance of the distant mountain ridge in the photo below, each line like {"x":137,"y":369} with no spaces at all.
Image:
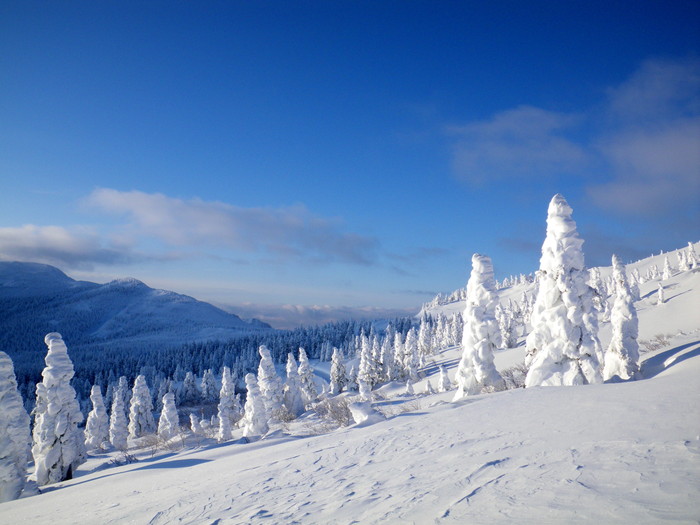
{"x":123,"y":314}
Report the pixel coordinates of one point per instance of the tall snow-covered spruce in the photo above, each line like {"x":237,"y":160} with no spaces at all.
{"x":563,"y":347}
{"x":118,"y":429}
{"x":141,"y":420}
{"x":14,"y":434}
{"x":97,"y":425}
{"x":59,"y":445}
{"x":270,"y":384}
{"x":482,"y":335}
{"x":622,"y":356}
{"x":254,"y":421}
{"x":227,"y":413}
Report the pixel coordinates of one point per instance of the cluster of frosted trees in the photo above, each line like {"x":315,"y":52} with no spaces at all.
{"x":562,"y":346}
{"x":58,"y":445}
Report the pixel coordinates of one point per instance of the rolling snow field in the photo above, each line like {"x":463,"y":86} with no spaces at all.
{"x":625,"y":452}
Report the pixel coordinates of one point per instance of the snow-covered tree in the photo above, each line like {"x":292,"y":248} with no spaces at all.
{"x":410,"y":355}
{"x":254,"y":421}
{"x":444,"y":383}
{"x":269,"y":383}
{"x":409,"y":388}
{"x":14,"y":434}
{"x":668,"y":271}
{"x":293,"y":400}
{"x":563,"y":347}
{"x":306,"y":378}
{"x":59,"y":445}
{"x":364,"y":373}
{"x":190,"y":392}
{"x":169,"y":422}
{"x":227,"y":413}
{"x":482,"y":335}
{"x":118,"y":430}
{"x":141,"y":420}
{"x":691,"y":256}
{"x":339,"y":378}
{"x":210,"y":390}
{"x":429,"y":390}
{"x":195,"y":425}
{"x":97,"y":425}
{"x":622,"y":357}
{"x":660,"y":296}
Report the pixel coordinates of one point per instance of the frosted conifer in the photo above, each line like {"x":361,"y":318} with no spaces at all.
{"x":59,"y":445}
{"x":563,"y":347}
{"x":227,"y":413}
{"x":141,"y":420}
{"x":97,"y":425}
{"x":660,"y":297}
{"x":169,"y":422}
{"x":269,"y":383}
{"x":444,"y":383}
{"x":190,"y":393}
{"x":339,"y":379}
{"x":117,"y":424}
{"x":410,"y":355}
{"x":482,"y":336}
{"x":306,"y":378}
{"x":293,"y":400}
{"x":622,"y":356}
{"x":409,"y":388}
{"x":668,"y":271}
{"x":210,"y":390}
{"x":14,"y":434}
{"x":195,"y":426}
{"x":429,"y":390}
{"x":255,"y":419}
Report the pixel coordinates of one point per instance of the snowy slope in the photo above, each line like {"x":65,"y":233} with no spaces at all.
{"x":612,"y":453}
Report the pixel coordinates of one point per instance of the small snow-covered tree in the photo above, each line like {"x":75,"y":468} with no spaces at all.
{"x":410,"y":355}
{"x":444,"y":383}
{"x":210,"y":390}
{"x":622,"y":356}
{"x":118,"y":431}
{"x":339,"y":378}
{"x":293,"y":400}
{"x":190,"y":393}
{"x":660,"y":297}
{"x":563,"y":347}
{"x":482,"y":336}
{"x":169,"y":422}
{"x":14,"y":434}
{"x":668,"y":271}
{"x":97,"y":425}
{"x":59,"y":445}
{"x":254,"y":421}
{"x":691,"y":256}
{"x":429,"y":390}
{"x":227,"y":413}
{"x":141,"y":420}
{"x":409,"y":388}
{"x":306,"y":378}
{"x":364,"y":373}
{"x":195,"y":425}
{"x":269,"y":383}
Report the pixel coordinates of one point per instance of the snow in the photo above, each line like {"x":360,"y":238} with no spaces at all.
{"x":625,"y":452}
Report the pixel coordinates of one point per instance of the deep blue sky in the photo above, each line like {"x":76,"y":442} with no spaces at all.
{"x":341,"y":153}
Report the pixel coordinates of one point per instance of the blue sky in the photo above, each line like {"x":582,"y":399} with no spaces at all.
{"x":343,"y":155}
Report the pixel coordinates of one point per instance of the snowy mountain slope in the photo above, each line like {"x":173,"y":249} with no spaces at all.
{"x":619,"y":453}
{"x":612,"y":453}
{"x":124,"y":314}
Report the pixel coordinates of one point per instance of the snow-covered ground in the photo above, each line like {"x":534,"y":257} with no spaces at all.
{"x":611,"y":453}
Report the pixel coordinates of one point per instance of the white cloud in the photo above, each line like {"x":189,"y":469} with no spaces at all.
{"x":653,"y":144}
{"x":521,"y":142}
{"x":68,"y":248}
{"x":290,"y":232}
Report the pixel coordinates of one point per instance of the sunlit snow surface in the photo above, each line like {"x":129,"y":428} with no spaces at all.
{"x":611,"y":453}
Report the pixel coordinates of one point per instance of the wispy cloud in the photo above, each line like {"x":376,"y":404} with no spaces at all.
{"x":290,"y":232}
{"x":76,"y":248}
{"x":653,"y":144}
{"x":522,"y":142}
